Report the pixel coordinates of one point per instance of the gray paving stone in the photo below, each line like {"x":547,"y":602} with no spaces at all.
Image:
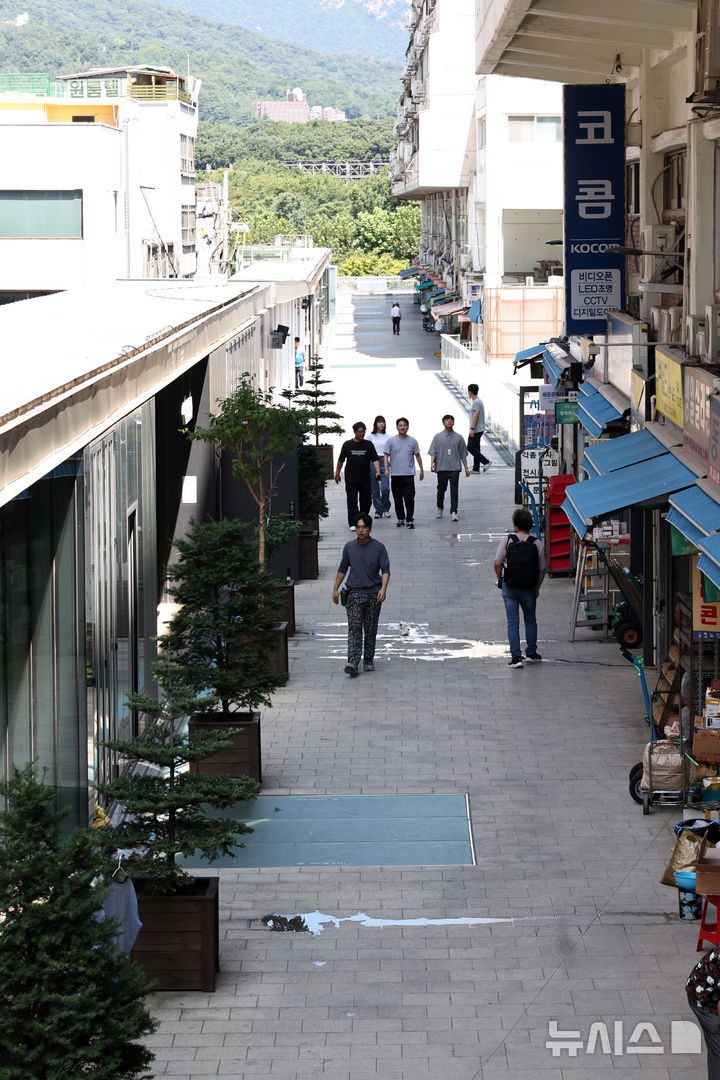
{"x":543,"y":755}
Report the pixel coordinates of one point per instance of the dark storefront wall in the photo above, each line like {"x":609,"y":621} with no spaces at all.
{"x":42,"y":654}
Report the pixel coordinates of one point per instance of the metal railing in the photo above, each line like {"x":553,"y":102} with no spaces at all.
{"x":462,"y":366}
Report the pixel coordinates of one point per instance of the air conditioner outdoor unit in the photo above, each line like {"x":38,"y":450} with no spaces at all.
{"x":665,"y":325}
{"x":700,"y":339}
{"x":656,"y":238}
{"x":693,"y":324}
{"x":712,"y":332}
{"x":677,"y":326}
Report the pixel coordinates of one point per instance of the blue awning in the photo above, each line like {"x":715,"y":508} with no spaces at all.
{"x":694,"y":514}
{"x":606,"y":457}
{"x":601,"y":496}
{"x":475,"y":312}
{"x":709,"y":561}
{"x":419,"y":285}
{"x":436,"y":292}
{"x":595,"y":411}
{"x":409,"y":271}
{"x":535,"y":353}
{"x":553,"y":369}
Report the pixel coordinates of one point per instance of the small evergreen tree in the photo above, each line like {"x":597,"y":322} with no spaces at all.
{"x":257,"y":432}
{"x":71,"y":1004}
{"x":317,"y":403}
{"x":167,"y":810}
{"x":311,"y":483}
{"x":217,"y":639}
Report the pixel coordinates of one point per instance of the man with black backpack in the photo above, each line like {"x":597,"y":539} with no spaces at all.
{"x":520,"y":569}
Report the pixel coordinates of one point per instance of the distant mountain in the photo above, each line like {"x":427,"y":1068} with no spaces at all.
{"x":367,"y":27}
{"x":237,"y":66}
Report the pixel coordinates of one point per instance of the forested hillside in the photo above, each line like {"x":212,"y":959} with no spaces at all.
{"x":219,"y":145}
{"x":237,"y":66}
{"x":368,"y":27}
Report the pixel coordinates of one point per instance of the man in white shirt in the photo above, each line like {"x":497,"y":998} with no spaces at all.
{"x":400,"y":456}
{"x":395,"y":315}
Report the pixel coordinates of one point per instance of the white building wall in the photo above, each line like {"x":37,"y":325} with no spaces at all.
{"x":84,"y":157}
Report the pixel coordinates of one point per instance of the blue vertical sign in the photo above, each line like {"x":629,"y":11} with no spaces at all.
{"x":594,"y":135}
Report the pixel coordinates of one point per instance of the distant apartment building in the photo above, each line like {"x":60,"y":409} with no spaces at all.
{"x":484,"y":157}
{"x":103,"y":179}
{"x":295,"y":109}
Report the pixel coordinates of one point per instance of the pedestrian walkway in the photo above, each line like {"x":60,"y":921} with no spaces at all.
{"x":455,"y":972}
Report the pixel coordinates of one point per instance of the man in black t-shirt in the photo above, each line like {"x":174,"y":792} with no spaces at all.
{"x":357,"y":454}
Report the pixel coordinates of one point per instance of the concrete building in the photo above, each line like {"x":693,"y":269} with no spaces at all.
{"x":484,"y":157}
{"x":96,"y":481}
{"x":108,"y":172}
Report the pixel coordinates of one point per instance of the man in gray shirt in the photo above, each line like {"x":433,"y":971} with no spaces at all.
{"x":400,"y":456}
{"x":477,"y":428}
{"x":369,"y":566}
{"x":448,"y":455}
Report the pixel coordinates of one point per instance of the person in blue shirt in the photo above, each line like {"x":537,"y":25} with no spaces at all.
{"x":299,"y":364}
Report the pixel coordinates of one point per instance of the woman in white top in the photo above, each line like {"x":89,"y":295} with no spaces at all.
{"x":380,"y":488}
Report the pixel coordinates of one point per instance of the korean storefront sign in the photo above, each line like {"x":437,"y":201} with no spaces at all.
{"x":698,"y":386}
{"x":713,"y":463}
{"x":669,"y":387}
{"x":594,"y":126}
{"x":706,"y":613}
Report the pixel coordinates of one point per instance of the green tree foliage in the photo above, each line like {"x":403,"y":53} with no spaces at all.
{"x":237,"y":66}
{"x":71,"y":1003}
{"x":226,"y":606}
{"x":257,"y":433}
{"x":220,"y":145}
{"x":359,"y":218}
{"x":167,"y":810}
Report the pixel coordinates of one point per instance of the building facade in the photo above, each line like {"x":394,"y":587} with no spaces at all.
{"x":107,"y":163}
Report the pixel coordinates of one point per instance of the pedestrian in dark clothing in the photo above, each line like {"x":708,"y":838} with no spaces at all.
{"x":367,"y":582}
{"x":358,"y":453}
{"x":477,"y":429}
{"x":448,"y":455}
{"x":520,"y":566}
{"x":401,"y":453}
{"x":396,"y":316}
{"x":703,"y":991}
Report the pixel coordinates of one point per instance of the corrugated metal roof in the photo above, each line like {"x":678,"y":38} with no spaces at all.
{"x":614,"y":454}
{"x":694,"y":514}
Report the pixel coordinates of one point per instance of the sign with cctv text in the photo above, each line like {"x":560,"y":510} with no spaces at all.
{"x":594,"y":146}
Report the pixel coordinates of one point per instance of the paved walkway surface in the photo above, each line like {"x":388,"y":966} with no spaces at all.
{"x":578,"y":929}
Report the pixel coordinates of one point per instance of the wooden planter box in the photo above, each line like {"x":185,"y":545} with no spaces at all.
{"x":178,"y":946}
{"x":325,"y":453}
{"x":287,"y":611}
{"x":242,"y":756}
{"x":278,"y":649}
{"x":309,"y":555}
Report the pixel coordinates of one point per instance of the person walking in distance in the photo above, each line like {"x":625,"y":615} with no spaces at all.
{"x":401,"y":453}
{"x":380,"y":488}
{"x":361,"y":457}
{"x":448,"y":455}
{"x":477,"y":429}
{"x":520,"y":567}
{"x":396,"y":316}
{"x":369,"y":573}
{"x":299,"y":364}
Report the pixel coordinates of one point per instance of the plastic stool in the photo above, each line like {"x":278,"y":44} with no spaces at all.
{"x":709,"y":931}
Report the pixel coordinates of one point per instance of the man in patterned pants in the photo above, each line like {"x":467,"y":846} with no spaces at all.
{"x":367,"y":582}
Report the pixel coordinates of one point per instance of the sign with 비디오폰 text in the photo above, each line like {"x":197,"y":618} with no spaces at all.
{"x":594,"y":147}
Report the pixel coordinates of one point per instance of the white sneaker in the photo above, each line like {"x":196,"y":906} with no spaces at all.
{"x":453,"y":517}
{"x":488,"y":466}
{"x":438,"y":513}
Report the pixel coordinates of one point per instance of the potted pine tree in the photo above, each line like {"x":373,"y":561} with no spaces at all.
{"x":167,"y":816}
{"x":71,"y":1001}
{"x":219,"y":639}
{"x":318,"y":404}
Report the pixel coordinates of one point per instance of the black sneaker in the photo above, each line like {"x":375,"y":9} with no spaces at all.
{"x":352,"y":671}
{"x":400,"y":524}
{"x":517,"y":661}
{"x":533,"y":658}
{"x":368,"y":666}
{"x":410,"y":524}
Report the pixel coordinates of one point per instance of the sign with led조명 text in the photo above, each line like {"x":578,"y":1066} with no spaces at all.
{"x":594,"y":149}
